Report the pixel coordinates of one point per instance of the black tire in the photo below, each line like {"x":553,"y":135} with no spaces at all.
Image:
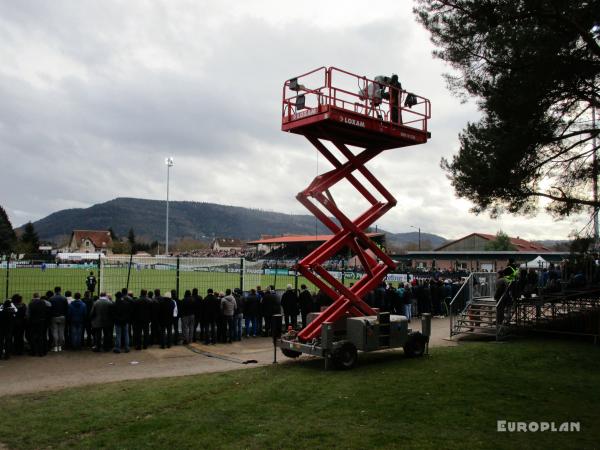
{"x":290,"y":353}
{"x":345,"y":356}
{"x":415,"y":346}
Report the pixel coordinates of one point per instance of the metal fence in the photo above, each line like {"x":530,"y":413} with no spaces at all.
{"x":41,"y":275}
{"x":165,"y":273}
{"x":177,"y":273}
{"x":113,"y":273}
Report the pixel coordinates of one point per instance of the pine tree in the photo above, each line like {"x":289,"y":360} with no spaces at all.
{"x":501,"y":243}
{"x":533,"y":67}
{"x":8,"y":237}
{"x":30,"y":239}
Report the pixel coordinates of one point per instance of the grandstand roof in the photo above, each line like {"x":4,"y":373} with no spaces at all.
{"x":521,"y":245}
{"x":293,"y":239}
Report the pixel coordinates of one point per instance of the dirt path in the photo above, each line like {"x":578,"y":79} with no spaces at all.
{"x":67,"y":369}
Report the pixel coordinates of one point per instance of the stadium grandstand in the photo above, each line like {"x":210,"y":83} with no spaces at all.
{"x":292,"y":247}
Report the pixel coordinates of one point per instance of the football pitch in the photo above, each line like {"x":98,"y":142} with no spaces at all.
{"x":26,"y":281}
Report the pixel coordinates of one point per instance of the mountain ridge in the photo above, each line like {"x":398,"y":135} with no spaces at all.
{"x":188,"y":219}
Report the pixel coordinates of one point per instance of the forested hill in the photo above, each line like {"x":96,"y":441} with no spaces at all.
{"x":186,"y":219}
{"x":195,"y":220}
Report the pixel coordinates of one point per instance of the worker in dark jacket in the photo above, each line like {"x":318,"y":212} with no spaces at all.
{"x":186,"y":312}
{"x":259,"y":318}
{"x":122,"y":316}
{"x":238,"y":314}
{"x":154,"y":316}
{"x":228,"y":306}
{"x":289,"y":303}
{"x":87,"y":323}
{"x":270,"y":306}
{"x":37,"y":318}
{"x":176,"y":316}
{"x":251,"y":305}
{"x":102,"y":323}
{"x":391,"y":299}
{"x":20,"y":325}
{"x":165,"y":318}
{"x":59,"y":312}
{"x":77,"y":317}
{"x":197,"y":298}
{"x":212,"y":309}
{"x":306,"y":301}
{"x":141,"y":316}
{"x":8,"y":311}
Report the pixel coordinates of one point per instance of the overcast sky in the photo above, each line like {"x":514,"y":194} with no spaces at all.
{"x":95,"y":94}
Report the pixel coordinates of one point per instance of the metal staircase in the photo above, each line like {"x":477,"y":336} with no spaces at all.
{"x":479,"y":317}
{"x":473,"y":310}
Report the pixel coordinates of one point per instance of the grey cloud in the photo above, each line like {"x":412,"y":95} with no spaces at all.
{"x":194,"y":80}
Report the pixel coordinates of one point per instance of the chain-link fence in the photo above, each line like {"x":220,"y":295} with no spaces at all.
{"x":113,"y":273}
{"x":172,"y":273}
{"x":41,"y":275}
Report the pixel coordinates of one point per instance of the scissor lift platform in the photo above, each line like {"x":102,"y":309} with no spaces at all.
{"x":334,"y":109}
{"x":351,"y":128}
{"x":335,"y":106}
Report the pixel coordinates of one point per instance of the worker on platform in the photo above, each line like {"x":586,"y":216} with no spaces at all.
{"x":395,"y":94}
{"x":506,"y":283}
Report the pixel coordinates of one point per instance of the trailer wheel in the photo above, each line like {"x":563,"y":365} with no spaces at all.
{"x":290,"y":353}
{"x":415,"y":345}
{"x":345,"y":357}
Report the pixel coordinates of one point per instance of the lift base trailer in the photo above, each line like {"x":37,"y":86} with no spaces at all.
{"x":341,"y":341}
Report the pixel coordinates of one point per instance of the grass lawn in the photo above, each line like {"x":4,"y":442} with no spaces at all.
{"x":449,"y":400}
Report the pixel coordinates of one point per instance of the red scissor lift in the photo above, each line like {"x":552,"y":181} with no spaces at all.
{"x":347,"y":110}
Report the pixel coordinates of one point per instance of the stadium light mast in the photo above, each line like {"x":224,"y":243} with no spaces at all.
{"x":417,"y":228}
{"x":169,"y":162}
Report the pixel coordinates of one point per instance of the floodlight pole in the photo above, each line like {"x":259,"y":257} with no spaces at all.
{"x":169,"y":163}
{"x":417,"y":228}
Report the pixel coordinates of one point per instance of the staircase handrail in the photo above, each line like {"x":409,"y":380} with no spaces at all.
{"x":501,"y":303}
{"x":452,"y":307}
{"x":458,"y":305}
{"x":460,"y":290}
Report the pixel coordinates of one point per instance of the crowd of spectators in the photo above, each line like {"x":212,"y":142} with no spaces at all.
{"x":54,"y":322}
{"x":249,"y":253}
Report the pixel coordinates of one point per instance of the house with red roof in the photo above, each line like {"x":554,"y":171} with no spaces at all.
{"x":470,"y":253}
{"x":91,"y":241}
{"x":478,"y":242}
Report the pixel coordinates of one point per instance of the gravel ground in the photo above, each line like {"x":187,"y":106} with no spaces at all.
{"x":26,"y":374}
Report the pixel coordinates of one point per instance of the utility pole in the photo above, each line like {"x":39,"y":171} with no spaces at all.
{"x":417,"y":228}
{"x":169,"y":162}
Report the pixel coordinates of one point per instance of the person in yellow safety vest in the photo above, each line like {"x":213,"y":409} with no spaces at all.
{"x":505,"y":278}
{"x":511,"y":273}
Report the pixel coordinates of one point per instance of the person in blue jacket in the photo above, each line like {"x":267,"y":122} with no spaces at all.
{"x":77,"y":317}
